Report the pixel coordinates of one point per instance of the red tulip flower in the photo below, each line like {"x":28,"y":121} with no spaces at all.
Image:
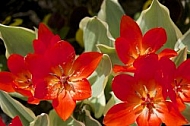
{"x":132,"y":43}
{"x":142,"y":98}
{"x":181,"y":83}
{"x":176,"y":82}
{"x":61,"y":77}
{"x":19,"y":78}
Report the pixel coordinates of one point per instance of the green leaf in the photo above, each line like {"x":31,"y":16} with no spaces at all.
{"x":110,"y":51}
{"x":13,"y":108}
{"x":182,"y":56}
{"x":41,"y":120}
{"x":97,"y":103}
{"x":18,"y":95}
{"x":99,"y":80}
{"x":157,"y":15}
{"x":89,"y":121}
{"x":98,"y":99}
{"x":99,"y":77}
{"x":95,"y":31}
{"x":17,"y":39}
{"x":111,"y":12}
{"x":183,"y":42}
{"x":55,"y":120}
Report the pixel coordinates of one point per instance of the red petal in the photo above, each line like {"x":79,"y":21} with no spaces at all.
{"x":62,"y":53}
{"x":38,"y":65}
{"x":6,"y":81}
{"x":45,"y":91}
{"x":33,"y":100}
{"x":183,"y":79}
{"x":154,"y":39}
{"x":40,"y":47}
{"x":180,"y":104}
{"x":16,"y":64}
{"x":126,"y":50}
{"x":167,"y":53}
{"x":82,"y":89}
{"x":122,"y":88}
{"x":144,"y":70}
{"x":120,"y":114}
{"x":45,"y":39}
{"x":118,"y":68}
{"x":148,"y":119}
{"x":64,"y":105}
{"x":184,"y":69}
{"x":169,"y":115}
{"x":130,"y":30}
{"x":24,"y":91}
{"x":184,"y":91}
{"x":85,"y":65}
{"x":168,"y":70}
{"x":44,"y":33}
{"x":16,"y":122}
{"x":46,"y":36}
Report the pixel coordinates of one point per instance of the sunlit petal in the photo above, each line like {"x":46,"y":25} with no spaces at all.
{"x":169,"y":115}
{"x":85,"y":64}
{"x":148,"y":119}
{"x":64,"y":105}
{"x":82,"y":89}
{"x":121,"y":114}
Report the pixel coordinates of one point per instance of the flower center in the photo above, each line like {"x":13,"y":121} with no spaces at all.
{"x":138,"y":52}
{"x":24,"y":80}
{"x":181,"y":87}
{"x":60,"y":81}
{"x":147,"y":101}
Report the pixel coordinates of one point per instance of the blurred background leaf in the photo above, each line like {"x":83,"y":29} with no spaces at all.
{"x":17,"y":39}
{"x":111,"y":12}
{"x":158,"y":15}
{"x":13,"y":108}
{"x":91,"y":33}
{"x":63,"y":18}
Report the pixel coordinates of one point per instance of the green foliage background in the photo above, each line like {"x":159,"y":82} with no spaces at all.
{"x":67,"y":18}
